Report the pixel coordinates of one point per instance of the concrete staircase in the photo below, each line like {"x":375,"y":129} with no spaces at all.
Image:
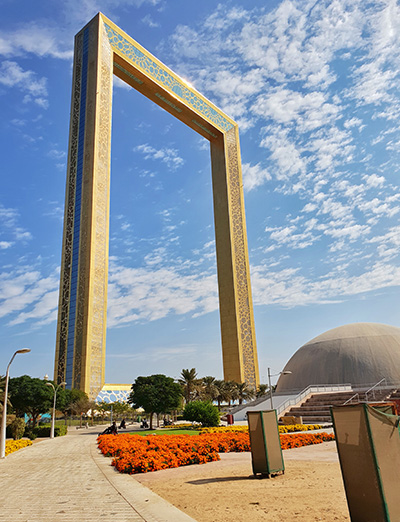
{"x":316,"y":409}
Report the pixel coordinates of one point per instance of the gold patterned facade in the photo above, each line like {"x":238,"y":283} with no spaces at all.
{"x":101,"y":50}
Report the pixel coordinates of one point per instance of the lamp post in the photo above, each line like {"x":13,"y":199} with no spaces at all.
{"x":286,"y":372}
{"x":53,"y":414}
{"x":4,"y":417}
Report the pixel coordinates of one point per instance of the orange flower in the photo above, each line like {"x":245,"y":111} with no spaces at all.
{"x":138,"y":454}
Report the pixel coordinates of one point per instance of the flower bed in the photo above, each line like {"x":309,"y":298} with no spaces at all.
{"x":137,"y":454}
{"x":289,"y":428}
{"x":304,"y":439}
{"x":15,"y":445}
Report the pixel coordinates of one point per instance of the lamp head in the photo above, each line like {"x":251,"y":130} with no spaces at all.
{"x":286,"y":372}
{"x":23,"y":350}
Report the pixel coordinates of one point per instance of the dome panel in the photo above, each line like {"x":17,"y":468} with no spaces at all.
{"x":357,"y":354}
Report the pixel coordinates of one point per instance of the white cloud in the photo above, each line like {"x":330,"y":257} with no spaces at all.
{"x":374,"y":180}
{"x":254,"y":176}
{"x":308,"y":111}
{"x":56,"y":154}
{"x":81,"y":11}
{"x":13,"y":76}
{"x":288,"y":288}
{"x":9,"y":220}
{"x":40,"y":40}
{"x":148,"y":20}
{"x":166,"y":155}
{"x":28,"y":296}
{"x":144,"y":294}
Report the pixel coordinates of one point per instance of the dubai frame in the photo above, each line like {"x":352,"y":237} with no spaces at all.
{"x":101,"y":50}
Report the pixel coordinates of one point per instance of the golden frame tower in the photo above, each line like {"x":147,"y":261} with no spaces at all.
{"x":101,"y":50}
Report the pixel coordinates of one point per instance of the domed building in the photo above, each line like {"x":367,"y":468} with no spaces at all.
{"x":360,"y":354}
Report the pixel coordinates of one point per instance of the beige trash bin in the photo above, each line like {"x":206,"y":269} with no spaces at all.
{"x":266,"y":452}
{"x":368,"y":443}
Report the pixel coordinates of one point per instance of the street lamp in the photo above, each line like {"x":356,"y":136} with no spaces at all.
{"x":53,"y":413}
{"x":286,"y":372}
{"x":4,"y":417}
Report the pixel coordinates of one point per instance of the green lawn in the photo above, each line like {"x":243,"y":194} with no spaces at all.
{"x":165,"y":432}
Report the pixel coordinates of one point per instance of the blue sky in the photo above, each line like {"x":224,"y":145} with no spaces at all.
{"x":314,"y":88}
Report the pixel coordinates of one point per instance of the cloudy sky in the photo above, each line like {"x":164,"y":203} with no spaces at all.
{"x":314,"y":88}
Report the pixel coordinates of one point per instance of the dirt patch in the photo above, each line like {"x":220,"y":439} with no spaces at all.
{"x":310,"y":489}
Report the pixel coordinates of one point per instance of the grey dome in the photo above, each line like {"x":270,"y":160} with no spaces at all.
{"x":358,"y":354}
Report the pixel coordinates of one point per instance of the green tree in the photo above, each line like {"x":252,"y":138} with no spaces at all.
{"x":202,"y":411}
{"x":80,"y":407}
{"x":30,"y":395}
{"x":121,"y":409}
{"x":2,"y":384}
{"x":155,"y":394}
{"x":189,"y":383}
{"x":72,"y":402}
{"x":103,"y":408}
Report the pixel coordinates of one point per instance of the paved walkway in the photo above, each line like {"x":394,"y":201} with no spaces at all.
{"x":68,"y":479}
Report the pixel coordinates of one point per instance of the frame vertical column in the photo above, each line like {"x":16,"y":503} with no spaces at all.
{"x":239,"y":348}
{"x":81,"y":330}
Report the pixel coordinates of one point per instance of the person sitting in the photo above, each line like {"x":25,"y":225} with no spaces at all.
{"x":122,"y":426}
{"x":110,"y":430}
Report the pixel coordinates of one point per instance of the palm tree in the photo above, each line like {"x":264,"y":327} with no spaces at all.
{"x":223,"y":392}
{"x":262,"y":390}
{"x":232,"y":391}
{"x":209,"y":390}
{"x":189,"y":381}
{"x":245,"y":393}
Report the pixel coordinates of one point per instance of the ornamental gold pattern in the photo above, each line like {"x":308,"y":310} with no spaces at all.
{"x":243,"y":289}
{"x":149,"y":65}
{"x":101,"y":49}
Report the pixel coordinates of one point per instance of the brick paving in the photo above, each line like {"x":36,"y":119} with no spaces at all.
{"x":67,"y":479}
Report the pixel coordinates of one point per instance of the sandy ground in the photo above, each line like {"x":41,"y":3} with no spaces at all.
{"x":310,"y":489}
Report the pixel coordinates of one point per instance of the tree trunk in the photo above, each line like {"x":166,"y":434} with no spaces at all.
{"x":151,"y":420}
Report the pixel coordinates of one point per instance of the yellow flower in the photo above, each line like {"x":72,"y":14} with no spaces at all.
{"x":15,"y":445}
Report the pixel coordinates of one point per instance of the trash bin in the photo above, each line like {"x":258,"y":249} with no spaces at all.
{"x":229,"y":419}
{"x":265,"y":443}
{"x":368,"y":444}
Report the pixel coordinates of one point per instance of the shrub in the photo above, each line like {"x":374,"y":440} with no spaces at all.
{"x":202,"y":411}
{"x":30,"y":433}
{"x":17,"y":428}
{"x":44,"y":431}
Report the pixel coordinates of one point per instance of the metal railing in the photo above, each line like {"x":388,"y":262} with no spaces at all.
{"x":351,"y":398}
{"x":308,"y":391}
{"x":372,"y":389}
